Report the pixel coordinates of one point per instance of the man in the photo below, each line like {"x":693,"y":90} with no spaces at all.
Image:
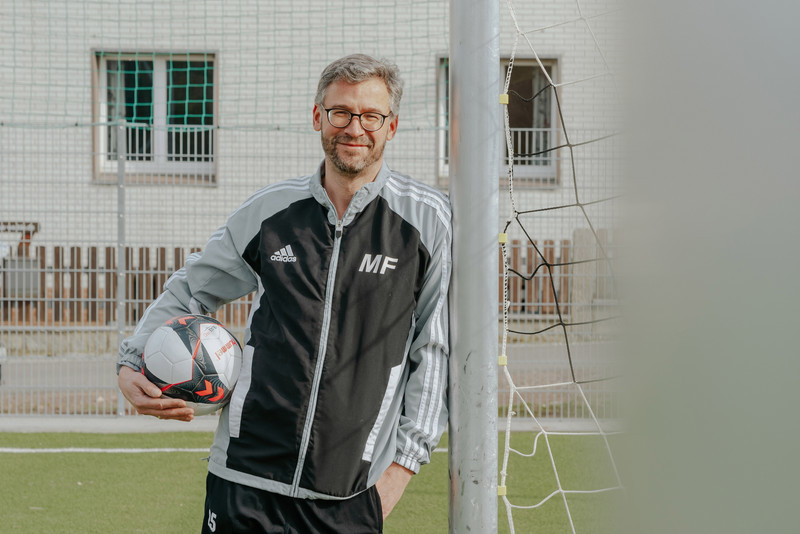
{"x":342,"y":393}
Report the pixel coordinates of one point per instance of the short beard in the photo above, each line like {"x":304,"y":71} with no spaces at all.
{"x":348,"y":169}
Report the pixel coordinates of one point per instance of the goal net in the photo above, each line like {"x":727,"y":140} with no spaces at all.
{"x":559,"y":243}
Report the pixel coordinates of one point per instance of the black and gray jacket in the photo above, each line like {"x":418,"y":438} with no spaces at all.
{"x":345,"y":357}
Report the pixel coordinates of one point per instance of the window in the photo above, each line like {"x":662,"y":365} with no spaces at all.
{"x":531,"y":119}
{"x":163,"y":105}
{"x":532,"y":114}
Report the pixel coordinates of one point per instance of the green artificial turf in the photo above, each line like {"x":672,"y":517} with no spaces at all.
{"x":155,"y":492}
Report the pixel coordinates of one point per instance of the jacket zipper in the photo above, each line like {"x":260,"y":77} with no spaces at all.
{"x":323,"y":348}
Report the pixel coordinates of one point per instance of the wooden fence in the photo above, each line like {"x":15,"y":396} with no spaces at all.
{"x":539,"y":277}
{"x":74,"y":286}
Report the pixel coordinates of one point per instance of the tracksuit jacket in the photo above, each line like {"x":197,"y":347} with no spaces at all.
{"x":345,"y":356}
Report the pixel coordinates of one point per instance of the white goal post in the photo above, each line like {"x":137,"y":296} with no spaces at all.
{"x":474,"y":193}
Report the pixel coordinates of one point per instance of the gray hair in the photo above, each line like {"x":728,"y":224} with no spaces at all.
{"x":357,"y":68}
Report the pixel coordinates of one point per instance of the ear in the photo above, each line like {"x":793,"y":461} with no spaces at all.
{"x":317,"y":118}
{"x":392,"y":128}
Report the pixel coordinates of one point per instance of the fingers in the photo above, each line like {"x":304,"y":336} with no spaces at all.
{"x":164,"y":408}
{"x":136,"y":383}
{"x":147,"y":399}
{"x":180,"y":414}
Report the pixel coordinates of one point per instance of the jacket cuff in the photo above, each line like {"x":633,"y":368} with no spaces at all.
{"x":127,"y":363}
{"x":408,"y":462}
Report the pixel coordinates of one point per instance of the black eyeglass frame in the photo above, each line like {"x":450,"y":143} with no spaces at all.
{"x":382,"y":116}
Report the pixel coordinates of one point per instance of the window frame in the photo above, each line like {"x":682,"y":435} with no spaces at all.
{"x":532,"y":175}
{"x":159,"y":169}
{"x":524,"y":175}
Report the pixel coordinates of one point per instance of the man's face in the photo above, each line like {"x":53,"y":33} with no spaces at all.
{"x":353,"y":150}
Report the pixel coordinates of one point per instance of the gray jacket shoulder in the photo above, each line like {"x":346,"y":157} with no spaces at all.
{"x":262,"y":204}
{"x":423,"y":206}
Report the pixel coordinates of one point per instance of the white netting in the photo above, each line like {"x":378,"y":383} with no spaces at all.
{"x":558,"y":247}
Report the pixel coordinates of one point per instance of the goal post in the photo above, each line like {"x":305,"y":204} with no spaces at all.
{"x":474,"y":191}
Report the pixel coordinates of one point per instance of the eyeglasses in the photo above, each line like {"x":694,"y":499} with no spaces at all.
{"x":370,"y":121}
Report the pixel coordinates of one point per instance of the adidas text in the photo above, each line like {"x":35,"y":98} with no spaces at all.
{"x":285,"y":255}
{"x":286,"y":259}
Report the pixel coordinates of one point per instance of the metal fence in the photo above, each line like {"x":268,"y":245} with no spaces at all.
{"x":96,"y":212}
{"x":63,"y":310}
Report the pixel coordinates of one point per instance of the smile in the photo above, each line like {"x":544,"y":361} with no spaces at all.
{"x":353,"y":143}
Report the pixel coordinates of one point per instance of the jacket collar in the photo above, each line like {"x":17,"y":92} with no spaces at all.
{"x":360,"y":200}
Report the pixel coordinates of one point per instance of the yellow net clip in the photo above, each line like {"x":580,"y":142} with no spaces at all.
{"x":502,"y":359}
{"x":504,"y":99}
{"x":501,"y":491}
{"x":503,"y":239}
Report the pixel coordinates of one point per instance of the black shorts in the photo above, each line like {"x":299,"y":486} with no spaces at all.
{"x":232,"y":508}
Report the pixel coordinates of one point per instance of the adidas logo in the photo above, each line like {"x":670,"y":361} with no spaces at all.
{"x":285,"y":255}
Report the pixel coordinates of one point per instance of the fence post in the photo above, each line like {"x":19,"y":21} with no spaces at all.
{"x":565,"y":275}
{"x":75,"y":285}
{"x":121,"y":155}
{"x":584,"y":275}
{"x":93,"y":293}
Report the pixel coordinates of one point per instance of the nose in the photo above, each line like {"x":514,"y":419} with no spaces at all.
{"x":354,"y":128}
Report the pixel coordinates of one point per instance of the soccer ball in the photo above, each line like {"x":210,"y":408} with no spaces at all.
{"x":194,"y":358}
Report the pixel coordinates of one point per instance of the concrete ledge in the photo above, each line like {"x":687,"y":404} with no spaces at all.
{"x":99,"y":424}
{"x":105,"y":424}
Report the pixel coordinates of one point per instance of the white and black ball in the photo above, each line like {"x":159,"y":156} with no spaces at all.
{"x":194,"y":358}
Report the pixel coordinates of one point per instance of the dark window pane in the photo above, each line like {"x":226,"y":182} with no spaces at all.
{"x":130,"y":98}
{"x":190,"y":110}
{"x":445,"y":66}
{"x":530,"y":115}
